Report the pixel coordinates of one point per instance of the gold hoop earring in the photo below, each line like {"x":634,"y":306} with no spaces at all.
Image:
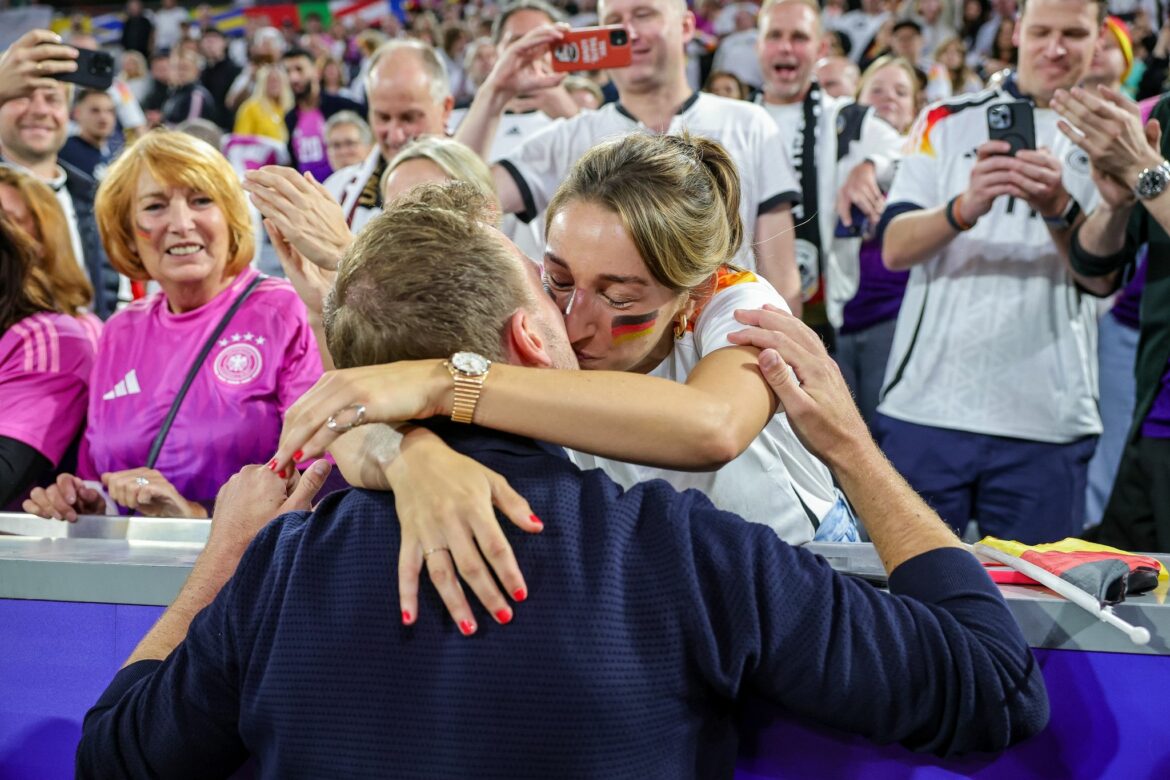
{"x":680,"y":326}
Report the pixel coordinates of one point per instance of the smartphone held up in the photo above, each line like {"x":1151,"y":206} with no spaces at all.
{"x":592,"y":48}
{"x":1012,"y":122}
{"x":95,"y":70}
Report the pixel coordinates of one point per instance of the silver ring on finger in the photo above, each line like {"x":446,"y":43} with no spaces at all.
{"x":432,"y":550}
{"x":141,"y":481}
{"x":359,"y":418}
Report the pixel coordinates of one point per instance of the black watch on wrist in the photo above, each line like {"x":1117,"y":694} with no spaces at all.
{"x":1152,"y":182}
{"x":1065,"y":219}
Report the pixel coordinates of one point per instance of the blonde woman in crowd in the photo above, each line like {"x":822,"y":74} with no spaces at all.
{"x":263,"y":113}
{"x":950,"y":75}
{"x":435,"y":159}
{"x":872,"y":294}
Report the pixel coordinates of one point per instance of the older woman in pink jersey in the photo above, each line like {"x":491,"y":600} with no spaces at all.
{"x":171,"y":210}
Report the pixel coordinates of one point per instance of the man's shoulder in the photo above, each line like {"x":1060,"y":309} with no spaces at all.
{"x":79,"y":183}
{"x":332,"y":104}
{"x":716,"y":116}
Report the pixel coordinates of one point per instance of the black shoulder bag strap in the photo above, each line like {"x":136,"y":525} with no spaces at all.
{"x":157,"y":445}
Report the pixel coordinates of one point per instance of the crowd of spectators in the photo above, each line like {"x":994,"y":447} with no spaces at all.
{"x":241,"y":246}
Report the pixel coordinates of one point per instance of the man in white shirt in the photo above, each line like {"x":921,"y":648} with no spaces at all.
{"x":168,"y":25}
{"x":989,"y":407}
{"x":409,"y":95}
{"x":527,"y":114}
{"x":860,"y":26}
{"x":654,"y":96}
{"x":827,"y":138}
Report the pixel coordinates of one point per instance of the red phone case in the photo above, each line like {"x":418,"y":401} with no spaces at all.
{"x":591,"y":48}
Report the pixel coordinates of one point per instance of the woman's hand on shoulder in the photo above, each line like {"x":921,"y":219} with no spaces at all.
{"x":65,"y":499}
{"x":445,"y":505}
{"x":150,"y":493}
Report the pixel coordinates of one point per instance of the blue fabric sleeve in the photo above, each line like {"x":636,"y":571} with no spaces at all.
{"x":939,"y":664}
{"x":180,"y":718}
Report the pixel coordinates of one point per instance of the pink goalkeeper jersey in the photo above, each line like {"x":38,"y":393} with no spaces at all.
{"x":45,"y":362}
{"x":264,"y":360}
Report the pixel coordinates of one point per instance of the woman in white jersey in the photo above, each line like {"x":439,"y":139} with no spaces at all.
{"x":638,"y":239}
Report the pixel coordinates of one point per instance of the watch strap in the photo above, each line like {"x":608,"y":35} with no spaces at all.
{"x":1066,"y":218}
{"x":466,"y":396}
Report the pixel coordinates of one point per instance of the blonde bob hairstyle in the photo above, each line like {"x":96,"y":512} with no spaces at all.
{"x":453,"y":158}
{"x":174,"y":159}
{"x":56,"y":282}
{"x":260,"y":88}
{"x":677,"y":196}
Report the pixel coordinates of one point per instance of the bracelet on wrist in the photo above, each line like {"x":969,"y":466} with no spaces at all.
{"x":954,"y":218}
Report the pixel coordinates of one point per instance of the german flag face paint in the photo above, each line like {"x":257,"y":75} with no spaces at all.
{"x":628,"y":327}
{"x":141,"y":232}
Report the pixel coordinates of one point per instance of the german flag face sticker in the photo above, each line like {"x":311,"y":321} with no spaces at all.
{"x":628,"y":327}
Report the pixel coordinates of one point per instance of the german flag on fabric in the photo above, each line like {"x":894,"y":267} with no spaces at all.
{"x":726,"y":276}
{"x":1104,"y":572}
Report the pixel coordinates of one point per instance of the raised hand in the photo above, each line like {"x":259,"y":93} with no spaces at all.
{"x":31,"y":63}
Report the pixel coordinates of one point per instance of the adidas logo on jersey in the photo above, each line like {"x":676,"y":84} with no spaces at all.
{"x":128,"y":386}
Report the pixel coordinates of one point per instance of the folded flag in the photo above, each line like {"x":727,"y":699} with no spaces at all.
{"x":1106,"y":573}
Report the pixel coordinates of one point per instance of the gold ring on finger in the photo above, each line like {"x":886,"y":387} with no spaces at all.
{"x":430,"y":551}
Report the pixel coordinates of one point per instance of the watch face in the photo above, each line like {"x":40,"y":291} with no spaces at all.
{"x":470,"y":363}
{"x":1152,"y":182}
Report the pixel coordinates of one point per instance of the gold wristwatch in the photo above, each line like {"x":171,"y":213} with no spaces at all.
{"x":469,"y":370}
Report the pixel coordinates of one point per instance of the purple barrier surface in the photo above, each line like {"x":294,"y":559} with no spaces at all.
{"x":1109,"y":710}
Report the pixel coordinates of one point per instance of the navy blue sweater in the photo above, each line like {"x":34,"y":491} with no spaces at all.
{"x":650,"y":613}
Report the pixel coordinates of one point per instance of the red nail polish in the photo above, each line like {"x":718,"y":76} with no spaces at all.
{"x":467,"y":627}
{"x":405,"y":618}
{"x":282,"y":474}
{"x":272,"y":465}
{"x":519,"y":594}
{"x":536,"y":520}
{"x":504,"y":616}
{"x":298,"y":455}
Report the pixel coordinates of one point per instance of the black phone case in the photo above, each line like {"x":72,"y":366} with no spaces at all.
{"x":95,"y":70}
{"x":1021,"y":132}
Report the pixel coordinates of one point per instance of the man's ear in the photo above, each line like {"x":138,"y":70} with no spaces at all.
{"x":689,"y":25}
{"x":525,"y":343}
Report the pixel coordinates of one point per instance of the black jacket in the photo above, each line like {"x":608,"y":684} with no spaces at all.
{"x":102,"y":275}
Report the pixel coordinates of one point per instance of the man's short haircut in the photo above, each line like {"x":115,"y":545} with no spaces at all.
{"x":1102,"y":10}
{"x":84,"y":94}
{"x":426,"y":278}
{"x":297,"y":51}
{"x":516,"y":6}
{"x":213,"y":31}
{"x":350,"y":118}
{"x":812,"y":5}
{"x":434,"y":67}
